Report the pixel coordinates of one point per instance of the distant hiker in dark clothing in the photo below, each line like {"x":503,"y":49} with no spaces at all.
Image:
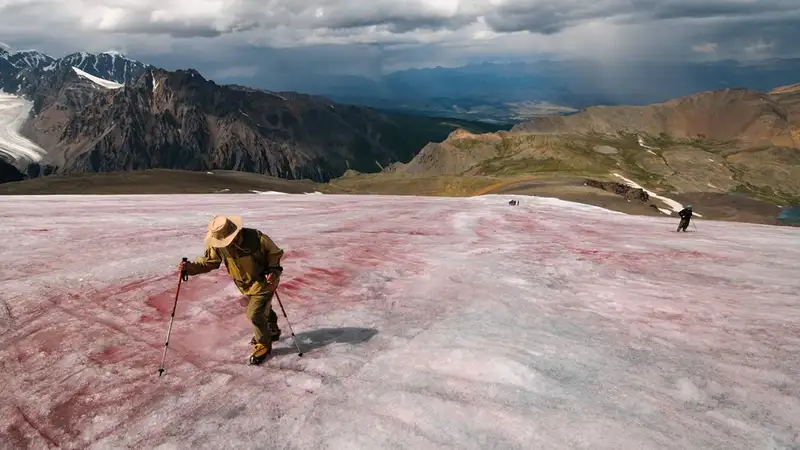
{"x":512,"y":203}
{"x":686,"y":216}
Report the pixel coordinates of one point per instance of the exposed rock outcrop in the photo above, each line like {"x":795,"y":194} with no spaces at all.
{"x":9,"y":173}
{"x":105,"y":112}
{"x":180,"y":120}
{"x":624,"y":190}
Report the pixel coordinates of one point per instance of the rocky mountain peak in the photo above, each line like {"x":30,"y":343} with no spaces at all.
{"x":27,"y":59}
{"x":21,"y":72}
{"x":179,"y":119}
{"x":24,"y":59}
{"x":112,"y":66}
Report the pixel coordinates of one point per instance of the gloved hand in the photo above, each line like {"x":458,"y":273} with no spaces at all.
{"x":182,"y":269}
{"x":274,"y":277}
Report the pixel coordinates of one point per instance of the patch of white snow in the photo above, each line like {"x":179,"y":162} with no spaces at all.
{"x":641,"y":142}
{"x":97,"y":80}
{"x":268,"y":192}
{"x":676,"y":206}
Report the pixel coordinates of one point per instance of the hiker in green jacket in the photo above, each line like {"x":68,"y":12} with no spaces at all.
{"x":253,"y":261}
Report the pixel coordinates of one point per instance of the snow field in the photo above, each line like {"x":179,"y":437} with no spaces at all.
{"x":425,"y":322}
{"x":676,"y":206}
{"x":107,"y":84}
{"x":13,"y":113}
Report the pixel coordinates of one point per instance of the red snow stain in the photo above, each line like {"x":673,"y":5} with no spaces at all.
{"x":129,"y":287}
{"x":641,"y":262}
{"x":327,"y":272}
{"x":112,"y":355}
{"x":317,"y":277}
{"x":591,"y":232}
{"x":295,"y":254}
{"x":342,"y":229}
{"x":49,"y":341}
{"x":123,"y":399}
{"x":293,"y":284}
{"x":520,"y":224}
{"x":162,"y":302}
{"x":404,"y":232}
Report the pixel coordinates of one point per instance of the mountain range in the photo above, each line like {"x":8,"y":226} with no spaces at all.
{"x":105,"y":112}
{"x":517,"y":91}
{"x":735,"y":150}
{"x":20,"y":71}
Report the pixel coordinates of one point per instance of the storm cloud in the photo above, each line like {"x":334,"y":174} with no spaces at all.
{"x":246,"y":36}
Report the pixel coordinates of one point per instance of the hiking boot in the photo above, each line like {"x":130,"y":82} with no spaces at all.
{"x":260,"y":353}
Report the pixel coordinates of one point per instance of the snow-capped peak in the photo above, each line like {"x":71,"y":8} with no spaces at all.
{"x":97,"y":80}
{"x":24,"y":59}
{"x":108,"y":65}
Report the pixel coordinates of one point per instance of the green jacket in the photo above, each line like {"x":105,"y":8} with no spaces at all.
{"x":248,"y":263}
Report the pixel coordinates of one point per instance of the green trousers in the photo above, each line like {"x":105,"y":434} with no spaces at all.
{"x":263,"y":318}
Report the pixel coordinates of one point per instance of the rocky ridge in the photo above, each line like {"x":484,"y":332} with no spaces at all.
{"x":727,"y":141}
{"x":101,"y":113}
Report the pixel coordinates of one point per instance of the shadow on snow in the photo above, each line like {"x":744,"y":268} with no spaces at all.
{"x":315,"y":339}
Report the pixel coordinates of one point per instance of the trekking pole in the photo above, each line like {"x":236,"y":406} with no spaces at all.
{"x":184,"y":277}
{"x":695,"y":226}
{"x":299,"y":353}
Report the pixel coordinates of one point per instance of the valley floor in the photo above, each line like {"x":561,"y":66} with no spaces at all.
{"x":564,"y":186}
{"x":426,"y":323}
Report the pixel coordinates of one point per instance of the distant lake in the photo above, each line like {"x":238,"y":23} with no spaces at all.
{"x":790,"y":214}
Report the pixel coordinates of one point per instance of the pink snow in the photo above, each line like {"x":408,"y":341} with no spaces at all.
{"x":425,"y":322}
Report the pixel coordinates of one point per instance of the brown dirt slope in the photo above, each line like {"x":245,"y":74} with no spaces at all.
{"x":750,"y":118}
{"x":459,"y":152}
{"x":726,"y":141}
{"x":501,"y":153}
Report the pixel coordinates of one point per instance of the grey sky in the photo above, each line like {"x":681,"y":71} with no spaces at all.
{"x":241,"y":37}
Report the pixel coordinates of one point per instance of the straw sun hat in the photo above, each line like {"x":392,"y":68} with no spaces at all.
{"x":222,"y":230}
